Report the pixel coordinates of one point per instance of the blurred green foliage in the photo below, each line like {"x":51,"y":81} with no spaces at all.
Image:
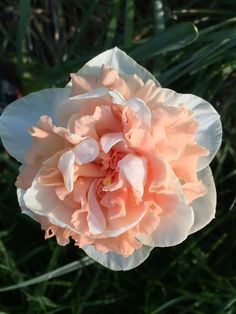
{"x":191,"y":47}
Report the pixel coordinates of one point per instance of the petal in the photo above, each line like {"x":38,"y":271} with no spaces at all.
{"x":204,"y":207}
{"x":95,"y":93}
{"x":24,"y":113}
{"x":117,"y":98}
{"x":68,"y":107}
{"x":134,"y":170}
{"x":116,"y":261}
{"x":119,"y":61}
{"x":20,"y":197}
{"x":82,"y":84}
{"x":44,"y":222}
{"x":66,"y":166}
{"x":96,"y":218}
{"x":176,"y":219}
{"x":173,"y":227}
{"x":209,"y":133}
{"x":110,"y":139}
{"x":194,"y":190}
{"x":120,"y":225}
{"x":125,"y":244}
{"x":24,"y":209}
{"x":139,"y":107}
{"x":42,"y":200}
{"x":96,"y":97}
{"x":86,"y":151}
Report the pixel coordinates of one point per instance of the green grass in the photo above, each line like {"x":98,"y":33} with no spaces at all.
{"x":45,"y":41}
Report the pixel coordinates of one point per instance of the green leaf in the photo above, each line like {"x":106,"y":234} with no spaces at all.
{"x":172,"y":38}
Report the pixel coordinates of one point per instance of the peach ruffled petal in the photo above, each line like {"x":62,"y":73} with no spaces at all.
{"x":194,"y":190}
{"x":124,"y":244}
{"x":61,"y":234}
{"x":82,"y":83}
{"x":185,"y":166}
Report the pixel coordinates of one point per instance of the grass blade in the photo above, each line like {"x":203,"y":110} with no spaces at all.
{"x":129,"y":17}
{"x":24,"y":10}
{"x":86,"y":261}
{"x":112,"y":26}
{"x":172,"y":38}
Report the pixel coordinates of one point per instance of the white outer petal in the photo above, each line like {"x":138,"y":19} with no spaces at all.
{"x":116,"y":261}
{"x":204,"y":207}
{"x":26,"y":211}
{"x":209,"y":133}
{"x":119,"y":61}
{"x":20,"y":198}
{"x":24,"y":113}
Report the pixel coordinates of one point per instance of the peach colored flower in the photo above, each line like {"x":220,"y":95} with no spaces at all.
{"x":114,"y":161}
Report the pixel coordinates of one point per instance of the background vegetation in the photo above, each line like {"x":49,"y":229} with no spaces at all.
{"x":191,"y":47}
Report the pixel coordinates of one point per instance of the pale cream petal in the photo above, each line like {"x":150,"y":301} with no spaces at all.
{"x":96,"y":219}
{"x":134,"y":170}
{"x":66,"y":166}
{"x":116,"y":261}
{"x":204,"y":208}
{"x":119,"y":61}
{"x":140,"y":108}
{"x":110,"y":139}
{"x":42,"y":200}
{"x":23,"y":113}
{"x":86,"y":151}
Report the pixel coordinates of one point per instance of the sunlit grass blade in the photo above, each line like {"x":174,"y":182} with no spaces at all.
{"x":170,"y":304}
{"x":84,"y":262}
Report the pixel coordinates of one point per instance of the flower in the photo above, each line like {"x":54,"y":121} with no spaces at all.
{"x":114,"y":161}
